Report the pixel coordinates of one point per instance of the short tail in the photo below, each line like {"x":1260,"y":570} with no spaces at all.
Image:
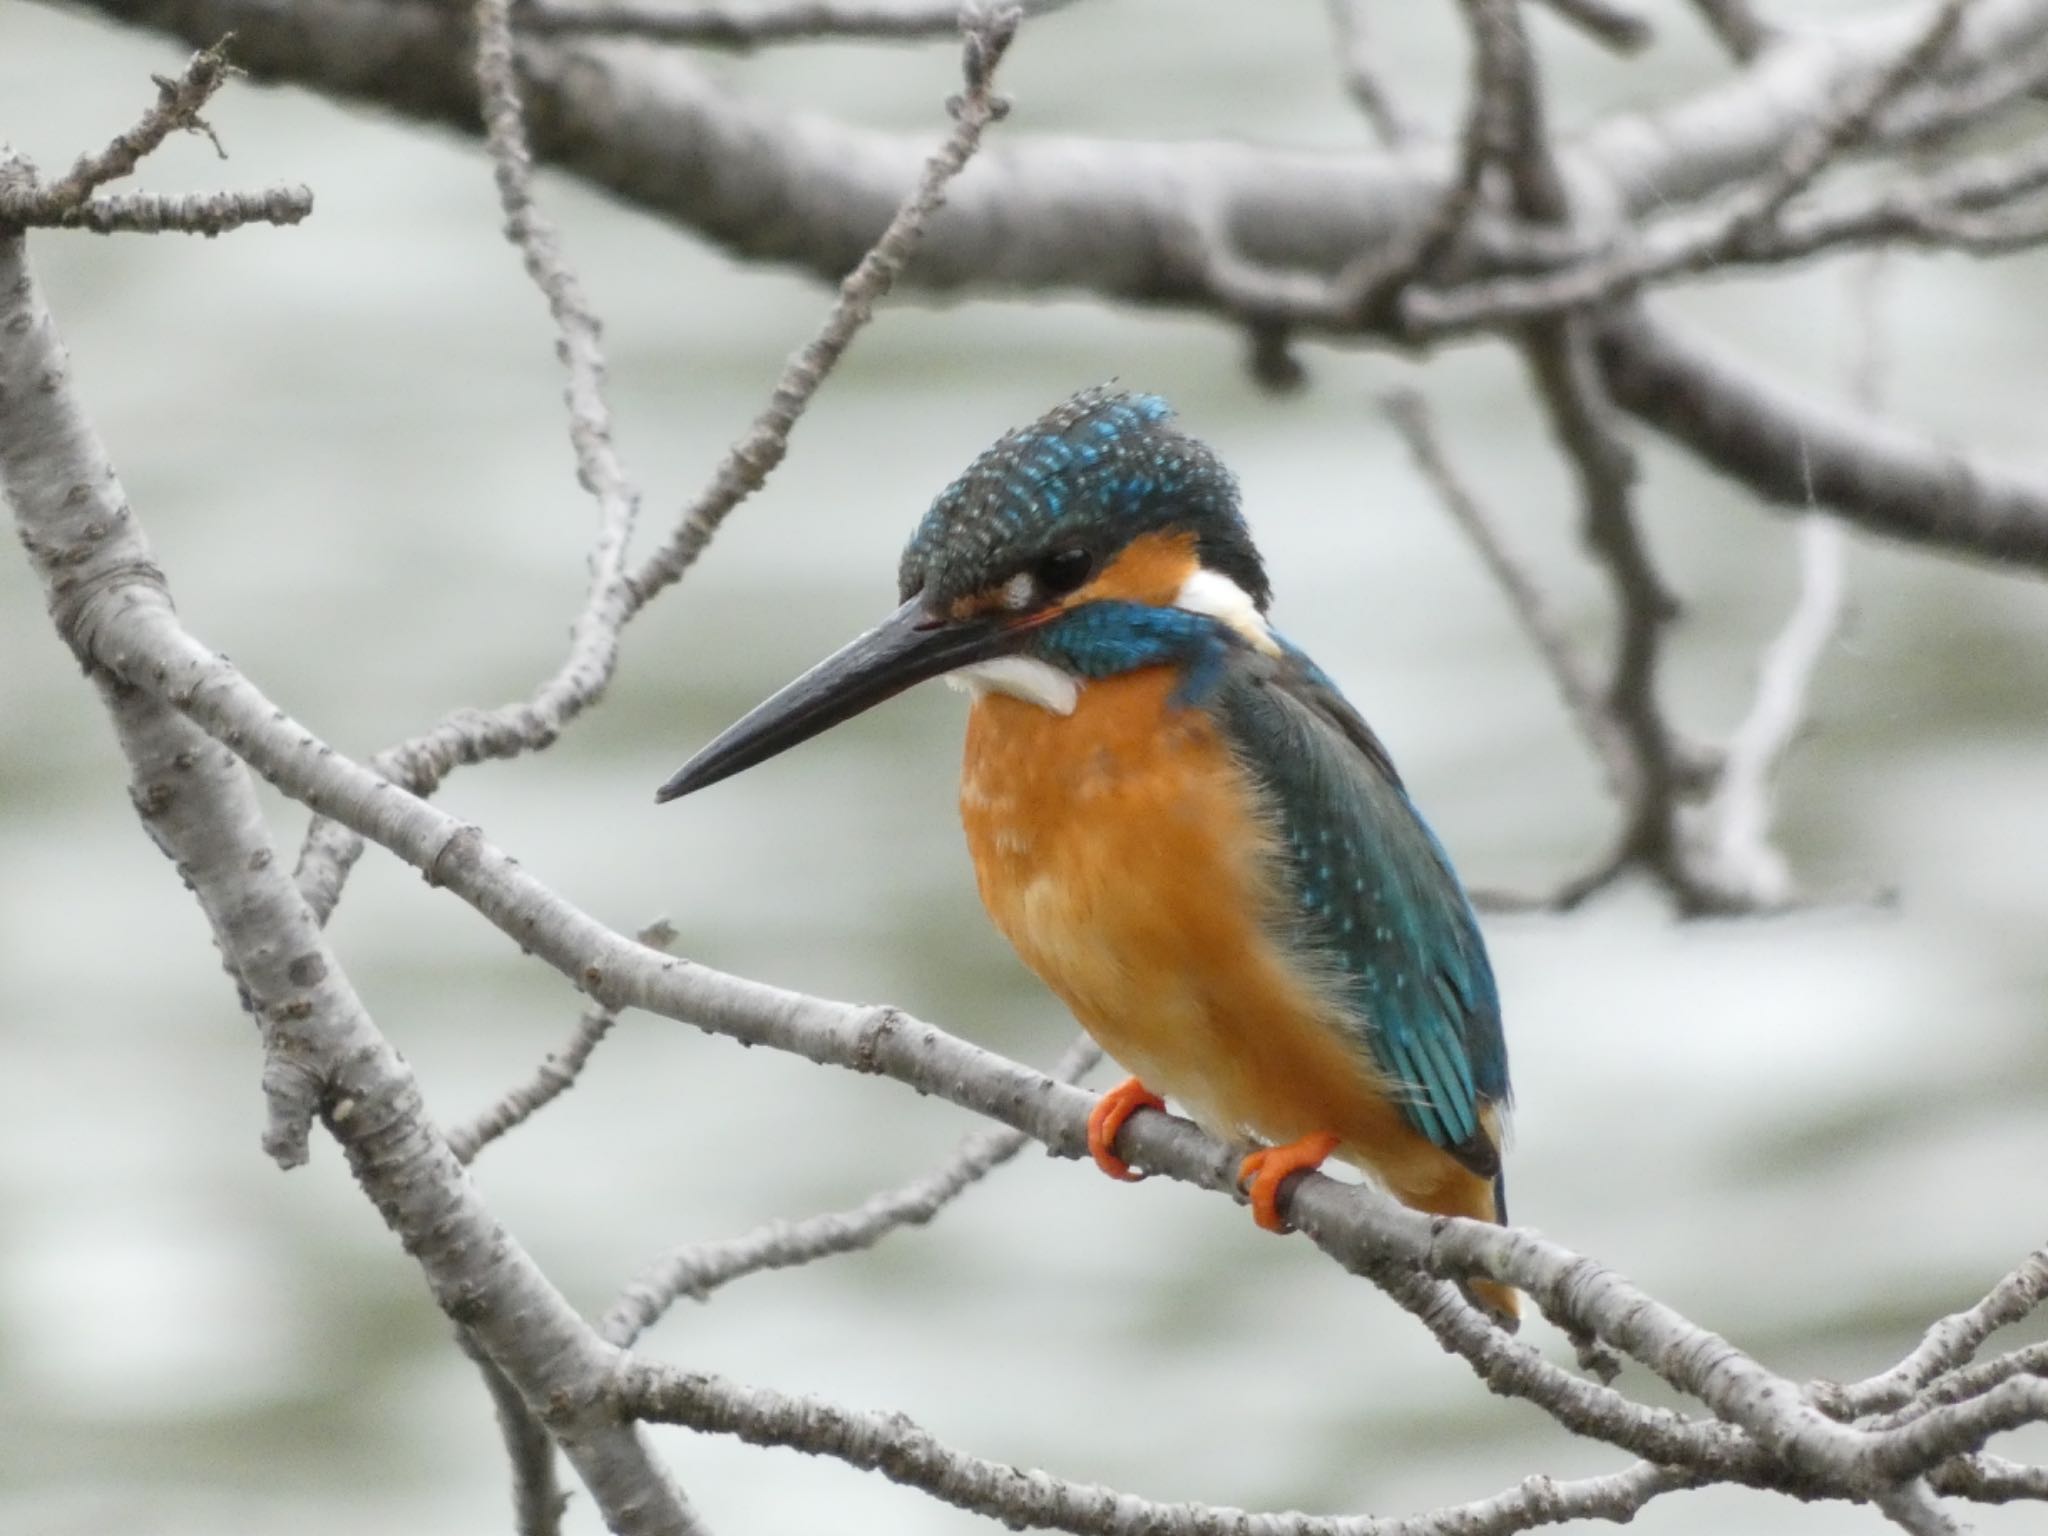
{"x":1502,"y":1303}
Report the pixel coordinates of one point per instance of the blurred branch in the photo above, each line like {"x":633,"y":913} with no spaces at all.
{"x":1557,"y":352}
{"x":1568,"y":669}
{"x":1734,"y":851}
{"x":697,"y":1269}
{"x":1736,"y":23}
{"x":1362,"y":79}
{"x":1794,"y":451}
{"x":537,"y":1497}
{"x":1691,"y":245}
{"x":1611,"y":23}
{"x":750,"y":461}
{"x":757,"y":25}
{"x":1911,"y":1507}
{"x":1113,"y":218}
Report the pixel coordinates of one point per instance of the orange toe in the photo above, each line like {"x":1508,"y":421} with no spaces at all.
{"x":1268,"y":1168}
{"x":1108,"y":1117}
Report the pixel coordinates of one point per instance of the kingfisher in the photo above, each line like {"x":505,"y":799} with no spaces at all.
{"x":1178,"y":820}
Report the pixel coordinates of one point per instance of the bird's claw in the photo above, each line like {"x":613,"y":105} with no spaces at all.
{"x":1108,"y":1117}
{"x":1263,"y":1172}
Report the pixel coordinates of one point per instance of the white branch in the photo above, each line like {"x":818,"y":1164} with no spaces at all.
{"x":198,"y":803}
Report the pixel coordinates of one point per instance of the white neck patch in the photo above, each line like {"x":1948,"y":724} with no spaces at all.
{"x":1021,"y":677}
{"x":1215,"y":594}
{"x":1056,"y":692}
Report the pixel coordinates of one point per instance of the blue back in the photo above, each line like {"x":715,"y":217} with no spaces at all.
{"x":1374,"y":901}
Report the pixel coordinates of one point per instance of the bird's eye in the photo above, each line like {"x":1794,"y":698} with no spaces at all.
{"x":1062,"y":571}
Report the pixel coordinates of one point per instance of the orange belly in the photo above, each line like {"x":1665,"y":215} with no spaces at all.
{"x":1120,"y":850}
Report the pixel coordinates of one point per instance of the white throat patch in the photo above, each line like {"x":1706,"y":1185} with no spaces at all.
{"x":1021,"y":677}
{"x":1215,"y":594}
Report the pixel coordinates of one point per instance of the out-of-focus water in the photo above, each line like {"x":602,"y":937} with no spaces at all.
{"x":1812,"y":1134}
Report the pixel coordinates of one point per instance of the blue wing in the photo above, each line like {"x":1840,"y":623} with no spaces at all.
{"x":1374,"y":895}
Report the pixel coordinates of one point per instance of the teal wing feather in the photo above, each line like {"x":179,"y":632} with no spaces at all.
{"x":1373,"y":895}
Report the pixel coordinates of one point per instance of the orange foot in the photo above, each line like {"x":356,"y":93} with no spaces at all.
{"x":1270,"y":1167}
{"x":1108,"y":1117}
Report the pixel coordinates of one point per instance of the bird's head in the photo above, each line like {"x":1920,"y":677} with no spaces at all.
{"x":1101,"y":500}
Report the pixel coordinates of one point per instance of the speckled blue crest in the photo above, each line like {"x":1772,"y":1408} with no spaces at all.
{"x":1094,"y":472}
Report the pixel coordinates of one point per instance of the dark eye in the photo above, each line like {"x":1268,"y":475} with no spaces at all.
{"x":1062,"y":571}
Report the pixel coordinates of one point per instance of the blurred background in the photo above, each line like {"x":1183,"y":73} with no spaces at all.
{"x":1813,"y":1133}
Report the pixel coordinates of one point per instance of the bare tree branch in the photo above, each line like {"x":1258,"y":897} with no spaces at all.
{"x":755,"y":26}
{"x":176,"y":110}
{"x":1225,"y":231}
{"x":537,"y":1497}
{"x":1951,"y":1342}
{"x":1112,"y":219}
{"x":1568,"y":669}
{"x":1616,"y":25}
{"x":1736,"y":24}
{"x":1798,"y":452}
{"x":616,"y":594}
{"x":905,"y":1453}
{"x":1362,"y":81}
{"x":1735,"y":853}
{"x":750,"y":461}
{"x":100,"y":592}
{"x":1691,"y":245}
{"x":198,"y":803}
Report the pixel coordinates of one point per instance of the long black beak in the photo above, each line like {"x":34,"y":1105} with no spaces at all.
{"x":906,"y":648}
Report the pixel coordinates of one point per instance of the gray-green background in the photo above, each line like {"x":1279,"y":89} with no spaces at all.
{"x":1813,"y":1133}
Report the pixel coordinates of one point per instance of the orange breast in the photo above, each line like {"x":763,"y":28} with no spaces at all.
{"x":1121,"y":852}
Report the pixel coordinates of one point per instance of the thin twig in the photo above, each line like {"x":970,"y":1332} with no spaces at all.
{"x":556,"y":1074}
{"x":199,"y":803}
{"x":1361,"y":73}
{"x":1568,"y":668}
{"x":697,"y":1269}
{"x":1692,"y":243}
{"x":1735,"y":851}
{"x":159,"y":213}
{"x":330,"y":852}
{"x":469,"y":735}
{"x":177,"y":109}
{"x":1368,"y":282}
{"x":749,"y":462}
{"x":69,"y":203}
{"x":1736,"y":23}
{"x":537,"y":1497}
{"x":1951,"y":1342}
